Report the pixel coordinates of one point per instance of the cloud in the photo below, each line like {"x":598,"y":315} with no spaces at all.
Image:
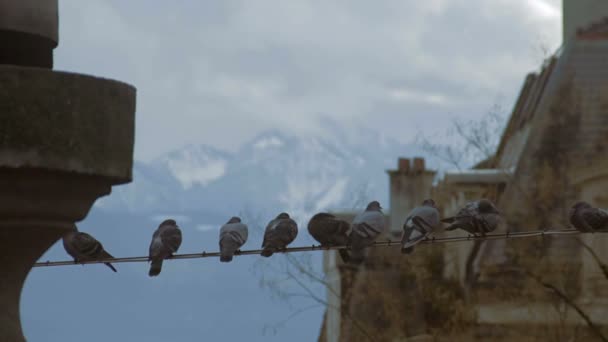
{"x":219,"y":72}
{"x":546,"y":9}
{"x":206,"y":227}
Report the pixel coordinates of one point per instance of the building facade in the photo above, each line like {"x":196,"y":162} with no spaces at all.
{"x":552,"y":153}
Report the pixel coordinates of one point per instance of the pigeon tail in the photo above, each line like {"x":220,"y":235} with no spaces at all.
{"x":227,"y":249}
{"x":407,"y":250}
{"x":267,"y":252}
{"x":226,"y":257}
{"x":408,"y":245}
{"x":226,"y":254}
{"x":110,"y":266}
{"x":357,"y":256}
{"x":345,"y":255}
{"x":106,"y":255}
{"x":453,"y":226}
{"x":155,"y":267}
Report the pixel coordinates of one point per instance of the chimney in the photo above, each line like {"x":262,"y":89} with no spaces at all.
{"x":404,"y":165}
{"x":410,"y":184}
{"x":418,"y":165}
{"x":580,"y":14}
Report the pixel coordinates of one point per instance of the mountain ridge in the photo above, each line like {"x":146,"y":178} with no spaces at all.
{"x":273,"y":171}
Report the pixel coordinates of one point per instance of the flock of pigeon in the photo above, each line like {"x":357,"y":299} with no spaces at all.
{"x":477,"y":218}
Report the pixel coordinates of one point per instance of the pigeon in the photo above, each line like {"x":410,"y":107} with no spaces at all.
{"x":165,"y":241}
{"x":330,"y":231}
{"x":420,"y":223}
{"x":232,"y":236}
{"x":83,"y":247}
{"x":366,"y":227}
{"x":586,"y":218}
{"x":478,"y":217}
{"x":279,"y":233}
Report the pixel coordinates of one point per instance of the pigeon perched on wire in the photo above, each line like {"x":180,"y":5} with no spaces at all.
{"x":279,"y":233}
{"x":233,"y":235}
{"x":587,"y":218}
{"x":366,"y":227}
{"x":420,"y":223}
{"x":330,"y":231}
{"x":478,"y":217}
{"x":83,"y":247}
{"x":165,"y":241}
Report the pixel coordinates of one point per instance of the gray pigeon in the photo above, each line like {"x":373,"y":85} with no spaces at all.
{"x":279,"y":233}
{"x":586,"y":218}
{"x":330,"y":231}
{"x":165,"y":241}
{"x":83,"y":247}
{"x":478,"y":217}
{"x":366,"y":227}
{"x":420,"y":223}
{"x":232,"y":236}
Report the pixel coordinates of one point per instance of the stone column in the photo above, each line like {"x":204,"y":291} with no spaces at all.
{"x":65,"y":139}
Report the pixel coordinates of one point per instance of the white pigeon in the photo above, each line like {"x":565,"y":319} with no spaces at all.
{"x":279,"y":233}
{"x":165,"y":241}
{"x":420,"y":223}
{"x":366,"y":227}
{"x":232,"y":236}
{"x":83,"y":247}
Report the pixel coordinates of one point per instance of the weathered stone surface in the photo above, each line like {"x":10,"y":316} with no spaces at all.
{"x":66,"y":122}
{"x":30,"y":16}
{"x":20,"y":249}
{"x":65,"y":139}
{"x":36,"y":208}
{"x":28,"y":32}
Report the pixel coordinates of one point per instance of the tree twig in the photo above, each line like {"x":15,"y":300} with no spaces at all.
{"x":596,"y":257}
{"x":321,"y":301}
{"x":570,"y":303}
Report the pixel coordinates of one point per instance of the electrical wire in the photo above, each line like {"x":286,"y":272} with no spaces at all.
{"x":387,"y":243}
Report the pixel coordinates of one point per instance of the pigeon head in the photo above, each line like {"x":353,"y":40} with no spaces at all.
{"x":323,"y":216}
{"x":486,"y":206}
{"x":581,"y":205}
{"x":429,"y":203}
{"x":373,"y":206}
{"x":234,"y":219}
{"x":283,"y":216}
{"x":169,"y":222}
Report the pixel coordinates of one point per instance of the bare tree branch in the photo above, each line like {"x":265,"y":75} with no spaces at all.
{"x":570,"y":303}
{"x":276,"y":326}
{"x":328,"y":305}
{"x":443,"y":152}
{"x":596,"y":257}
{"x":470,"y":141}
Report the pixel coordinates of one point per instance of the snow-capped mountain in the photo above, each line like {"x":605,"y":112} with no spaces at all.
{"x":273,"y":172}
{"x":194,"y":165}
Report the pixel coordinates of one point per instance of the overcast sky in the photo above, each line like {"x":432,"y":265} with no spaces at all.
{"x":220,"y":72}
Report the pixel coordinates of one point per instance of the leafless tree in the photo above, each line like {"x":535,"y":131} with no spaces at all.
{"x":288,"y":277}
{"x":466,"y":142}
